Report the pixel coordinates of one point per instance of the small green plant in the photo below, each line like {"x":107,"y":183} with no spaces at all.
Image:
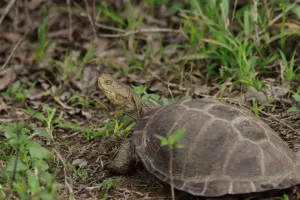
{"x":17,"y":92}
{"x":152,"y":98}
{"x":255,"y":108}
{"x":48,"y":120}
{"x":295,"y":108}
{"x":77,"y":100}
{"x":43,"y":40}
{"x":107,"y":185}
{"x":172,"y":142}
{"x":105,"y":12}
{"x":117,"y":127}
{"x":79,"y":173}
{"x":67,"y":66}
{"x":289,"y":71}
{"x":26,"y":171}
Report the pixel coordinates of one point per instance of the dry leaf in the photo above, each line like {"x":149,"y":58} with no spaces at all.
{"x":158,"y":87}
{"x":276,"y":92}
{"x":33,"y":4}
{"x":201,"y":89}
{"x":36,"y":93}
{"x":6,"y":78}
{"x":10,"y":36}
{"x":79,"y":162}
{"x":259,"y":96}
{"x":86,"y":114}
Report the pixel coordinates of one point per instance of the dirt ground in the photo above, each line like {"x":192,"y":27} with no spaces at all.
{"x":73,"y":90}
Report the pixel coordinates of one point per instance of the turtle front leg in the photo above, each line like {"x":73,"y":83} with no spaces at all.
{"x":124,"y":160}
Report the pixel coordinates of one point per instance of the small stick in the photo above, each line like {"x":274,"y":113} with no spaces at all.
{"x":70,"y":20}
{"x":90,"y":18}
{"x":110,"y":28}
{"x":68,"y":180}
{"x":255,"y":21}
{"x":148,"y":30}
{"x":15,"y":49}
{"x":233,"y":12}
{"x":7,"y":9}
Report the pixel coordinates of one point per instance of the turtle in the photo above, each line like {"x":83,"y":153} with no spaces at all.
{"x":226,"y":150}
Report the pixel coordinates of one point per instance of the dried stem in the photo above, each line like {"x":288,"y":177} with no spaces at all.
{"x":7,"y":9}
{"x":171,"y":173}
{"x":150,"y":30}
{"x":90,"y":18}
{"x":15,"y":48}
{"x":255,"y":21}
{"x":233,"y":12}
{"x":279,"y":16}
{"x":70,"y":20}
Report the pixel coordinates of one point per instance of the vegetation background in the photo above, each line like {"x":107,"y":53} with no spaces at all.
{"x":57,"y":131}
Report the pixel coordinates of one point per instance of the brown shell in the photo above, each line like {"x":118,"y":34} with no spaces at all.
{"x":226,"y":150}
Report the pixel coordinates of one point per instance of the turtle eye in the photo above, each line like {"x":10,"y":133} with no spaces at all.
{"x":108,"y":82}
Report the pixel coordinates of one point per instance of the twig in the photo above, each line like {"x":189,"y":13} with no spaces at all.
{"x":70,"y":20}
{"x":255,"y":21}
{"x":148,"y":30}
{"x":233,"y":12}
{"x":15,"y":48}
{"x":16,"y":15}
{"x":26,"y":9}
{"x":90,"y":18}
{"x":7,"y":9}
{"x":279,"y":16}
{"x":68,"y":180}
{"x":94,"y":10}
{"x":110,"y":28}
{"x":267,"y":9}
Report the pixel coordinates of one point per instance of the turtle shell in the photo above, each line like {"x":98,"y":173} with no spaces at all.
{"x":226,"y":150}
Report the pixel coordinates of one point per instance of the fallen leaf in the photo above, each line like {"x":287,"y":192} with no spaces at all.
{"x":86,"y":114}
{"x":8,"y":76}
{"x":158,"y":87}
{"x":259,"y":96}
{"x":88,"y":79}
{"x":36,"y":93}
{"x":79,"y":162}
{"x":12,"y":37}
{"x":276,"y":92}
{"x":65,"y":96}
{"x":35,"y":4}
{"x":201,"y":89}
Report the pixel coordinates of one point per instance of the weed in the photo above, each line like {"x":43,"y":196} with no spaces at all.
{"x":289,"y":71}
{"x":295,"y":108}
{"x":78,"y":173}
{"x":67,"y":66}
{"x":48,"y":120}
{"x":107,"y":185}
{"x":103,"y":9}
{"x":172,"y":142}
{"x":26,"y":171}
{"x":17,"y":92}
{"x":117,"y":127}
{"x":43,"y":40}
{"x":89,"y":132}
{"x":152,"y":98}
{"x":77,"y":100}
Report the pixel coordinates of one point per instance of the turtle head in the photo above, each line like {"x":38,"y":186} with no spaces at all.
{"x":122,"y":97}
{"x":116,"y":92}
